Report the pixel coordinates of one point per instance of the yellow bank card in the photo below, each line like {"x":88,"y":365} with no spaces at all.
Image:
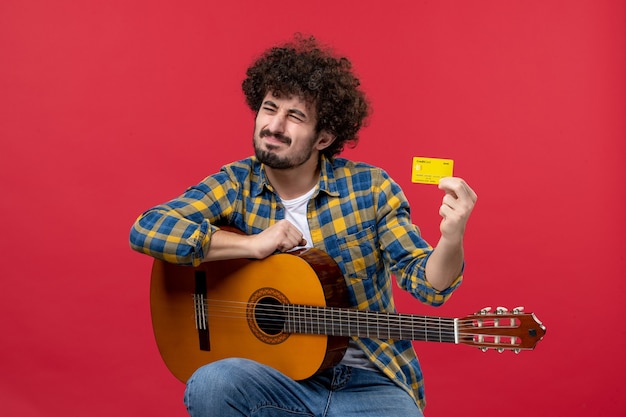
{"x":431,"y":170}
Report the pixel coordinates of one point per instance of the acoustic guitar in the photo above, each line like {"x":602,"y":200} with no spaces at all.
{"x":289,"y":311}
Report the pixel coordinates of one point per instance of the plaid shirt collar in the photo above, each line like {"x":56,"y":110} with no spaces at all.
{"x":327,"y":182}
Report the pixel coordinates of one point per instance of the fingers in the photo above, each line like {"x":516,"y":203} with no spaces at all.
{"x":457,"y":186}
{"x":286,"y":236}
{"x":290,"y":242}
{"x":457,"y":192}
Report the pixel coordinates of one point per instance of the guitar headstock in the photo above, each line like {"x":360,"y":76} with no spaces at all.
{"x":501,"y":330}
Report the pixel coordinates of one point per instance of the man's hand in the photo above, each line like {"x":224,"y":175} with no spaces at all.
{"x":281,"y":236}
{"x":446,"y":261}
{"x":456,"y":207}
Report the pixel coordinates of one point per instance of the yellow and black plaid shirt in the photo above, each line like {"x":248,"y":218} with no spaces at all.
{"x":358,"y":215}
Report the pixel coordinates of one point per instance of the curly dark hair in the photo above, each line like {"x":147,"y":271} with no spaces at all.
{"x":306,"y":69}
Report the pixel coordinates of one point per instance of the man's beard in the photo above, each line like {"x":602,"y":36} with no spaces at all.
{"x":274,"y":161}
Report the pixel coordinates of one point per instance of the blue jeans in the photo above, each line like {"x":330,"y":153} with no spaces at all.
{"x":241,"y":387}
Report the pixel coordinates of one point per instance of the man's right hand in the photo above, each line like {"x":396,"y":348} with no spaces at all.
{"x":282,"y":236}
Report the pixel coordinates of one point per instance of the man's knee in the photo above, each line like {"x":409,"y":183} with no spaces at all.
{"x":221,"y":375}
{"x":217,"y":385}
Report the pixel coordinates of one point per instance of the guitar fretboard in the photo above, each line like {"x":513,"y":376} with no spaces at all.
{"x":370,"y":324}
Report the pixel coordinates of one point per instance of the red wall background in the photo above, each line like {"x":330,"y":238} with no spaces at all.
{"x":109,"y":107}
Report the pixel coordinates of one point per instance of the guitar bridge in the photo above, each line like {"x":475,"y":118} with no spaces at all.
{"x":200,"y":311}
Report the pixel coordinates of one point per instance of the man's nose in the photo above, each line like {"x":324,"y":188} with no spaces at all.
{"x":277,"y":123}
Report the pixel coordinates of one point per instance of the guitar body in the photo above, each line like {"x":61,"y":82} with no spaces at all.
{"x":212,"y":312}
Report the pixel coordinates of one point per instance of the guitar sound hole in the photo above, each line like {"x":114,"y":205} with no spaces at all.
{"x":270,"y":316}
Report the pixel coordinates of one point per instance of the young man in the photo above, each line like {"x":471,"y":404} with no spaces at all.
{"x":296,"y":193}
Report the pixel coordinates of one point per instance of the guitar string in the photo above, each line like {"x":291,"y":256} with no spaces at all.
{"x":414,"y":331}
{"x":387,"y":331}
{"x":242,"y":305}
{"x":318,"y":311}
{"x":239,"y":310}
{"x":326,"y":311}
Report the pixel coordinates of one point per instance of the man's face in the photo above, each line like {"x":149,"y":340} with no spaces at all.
{"x":284,"y":132}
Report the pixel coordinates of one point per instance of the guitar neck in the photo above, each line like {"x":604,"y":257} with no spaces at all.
{"x":334,"y":321}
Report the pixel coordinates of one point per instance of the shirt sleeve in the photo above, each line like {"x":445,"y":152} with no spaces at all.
{"x":180,"y":230}
{"x":403,"y":247}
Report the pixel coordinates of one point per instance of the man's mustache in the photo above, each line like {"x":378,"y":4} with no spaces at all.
{"x":279,"y":136}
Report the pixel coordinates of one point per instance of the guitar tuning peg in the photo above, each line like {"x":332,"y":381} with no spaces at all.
{"x":500,"y":350}
{"x":484,"y":349}
{"x":518,"y":310}
{"x":485,"y":310}
{"x":517,"y":351}
{"x":501,"y":310}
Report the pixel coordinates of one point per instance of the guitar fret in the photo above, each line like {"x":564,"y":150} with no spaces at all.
{"x":320,"y":323}
{"x":439,"y":321}
{"x":387,"y":317}
{"x":311,"y":321}
{"x":398,"y":324}
{"x":320,"y":328}
{"x":377,"y":330}
{"x":307,"y":312}
{"x":355,"y":329}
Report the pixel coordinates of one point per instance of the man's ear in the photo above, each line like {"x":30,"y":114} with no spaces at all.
{"x":324,"y":140}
